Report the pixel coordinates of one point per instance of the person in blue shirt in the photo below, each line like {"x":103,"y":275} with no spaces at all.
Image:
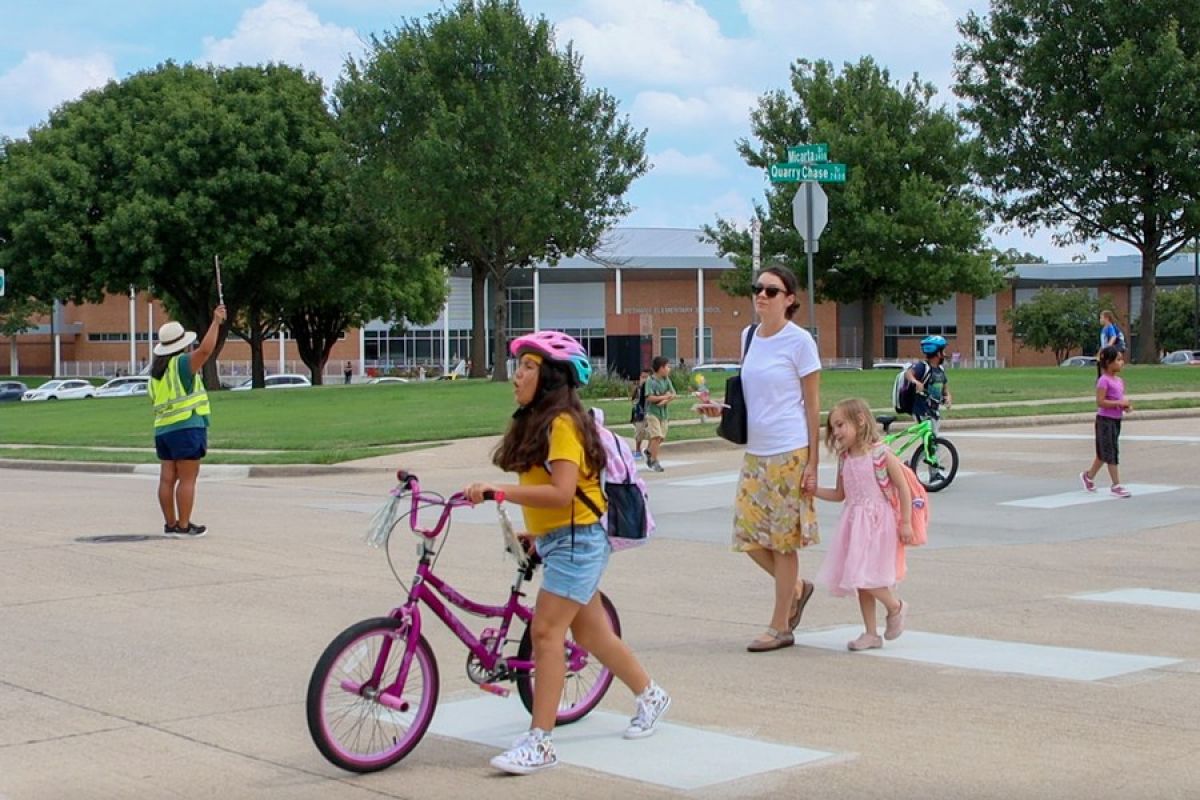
{"x":933,"y":388}
{"x":1110,"y":333}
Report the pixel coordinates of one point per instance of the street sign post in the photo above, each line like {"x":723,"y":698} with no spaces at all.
{"x":810,"y":213}
{"x":796,"y":173}
{"x":808,"y":153}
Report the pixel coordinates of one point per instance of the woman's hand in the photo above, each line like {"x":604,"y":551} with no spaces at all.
{"x":474,"y":491}
{"x":808,"y":478}
{"x":906,"y":532}
{"x":711,"y":409}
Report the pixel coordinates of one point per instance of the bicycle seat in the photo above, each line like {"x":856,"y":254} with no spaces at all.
{"x":885,"y":421}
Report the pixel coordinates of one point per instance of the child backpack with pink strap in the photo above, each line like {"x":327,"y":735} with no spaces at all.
{"x":920,"y":497}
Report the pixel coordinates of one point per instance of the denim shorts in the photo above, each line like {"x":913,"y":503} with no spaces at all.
{"x":186,"y":444}
{"x":573,"y":572}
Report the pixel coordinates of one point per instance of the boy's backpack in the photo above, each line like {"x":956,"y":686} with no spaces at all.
{"x":904,"y":391}
{"x":638,"y":414}
{"x":1120,"y":340}
{"x":628,"y":520}
{"x":920,"y":497}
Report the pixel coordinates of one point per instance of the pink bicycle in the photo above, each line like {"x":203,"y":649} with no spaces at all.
{"x":374,"y":690}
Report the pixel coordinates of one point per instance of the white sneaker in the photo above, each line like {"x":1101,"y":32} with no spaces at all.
{"x":531,"y":753}
{"x":651,"y":705}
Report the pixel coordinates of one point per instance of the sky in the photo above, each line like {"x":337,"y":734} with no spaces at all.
{"x":686,"y":71}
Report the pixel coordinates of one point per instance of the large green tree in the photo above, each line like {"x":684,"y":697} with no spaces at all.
{"x":904,"y":228}
{"x":1060,"y":320}
{"x":1088,"y":116}
{"x":144,"y":181}
{"x":489,"y":147}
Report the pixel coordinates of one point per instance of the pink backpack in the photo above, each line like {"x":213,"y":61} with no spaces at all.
{"x":621,"y":469}
{"x":920,"y":497}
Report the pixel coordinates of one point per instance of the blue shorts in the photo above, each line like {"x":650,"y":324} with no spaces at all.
{"x":573,"y":572}
{"x":187,"y":444}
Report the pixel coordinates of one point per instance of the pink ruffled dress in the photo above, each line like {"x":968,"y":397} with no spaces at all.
{"x":866,"y":553}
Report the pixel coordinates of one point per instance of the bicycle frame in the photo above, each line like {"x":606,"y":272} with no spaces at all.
{"x":920,"y":432}
{"x":429,"y":589}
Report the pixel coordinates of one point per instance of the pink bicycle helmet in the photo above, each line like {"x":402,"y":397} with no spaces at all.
{"x":555,"y":346}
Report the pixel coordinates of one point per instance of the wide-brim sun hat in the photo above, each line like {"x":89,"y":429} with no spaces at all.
{"x":172,"y":338}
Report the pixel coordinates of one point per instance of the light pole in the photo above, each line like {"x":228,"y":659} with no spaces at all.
{"x":1196,"y":291}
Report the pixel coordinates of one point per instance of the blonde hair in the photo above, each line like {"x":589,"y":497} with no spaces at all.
{"x":858,"y":413}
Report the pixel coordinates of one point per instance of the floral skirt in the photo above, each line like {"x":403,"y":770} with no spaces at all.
{"x":771,"y":511}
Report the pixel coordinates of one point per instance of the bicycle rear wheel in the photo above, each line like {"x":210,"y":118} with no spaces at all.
{"x":936,"y":469}
{"x":352,"y":722}
{"x":583,"y":689}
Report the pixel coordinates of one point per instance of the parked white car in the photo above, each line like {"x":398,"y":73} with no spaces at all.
{"x":125,"y":387}
{"x":275,"y":382}
{"x":69,"y":389}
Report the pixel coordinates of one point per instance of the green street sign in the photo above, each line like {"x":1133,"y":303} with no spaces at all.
{"x":795,"y":173}
{"x":1,"y":283}
{"x":808,"y":153}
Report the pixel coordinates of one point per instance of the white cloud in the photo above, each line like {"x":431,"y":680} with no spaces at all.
{"x":42,"y":81}
{"x":661,"y":41}
{"x":286,"y":31}
{"x":673,"y":162}
{"x":718,"y":105}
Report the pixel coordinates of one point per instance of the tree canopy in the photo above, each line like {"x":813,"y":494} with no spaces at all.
{"x":488,"y":147}
{"x":1060,"y":320}
{"x":904,"y":228}
{"x":1175,"y":322}
{"x":144,"y":181}
{"x":1088,"y":115}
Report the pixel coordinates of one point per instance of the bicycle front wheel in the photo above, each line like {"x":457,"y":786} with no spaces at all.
{"x":358,"y":719}
{"x":936,"y":467}
{"x":583,"y":689}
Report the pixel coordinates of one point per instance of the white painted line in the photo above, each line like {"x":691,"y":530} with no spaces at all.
{"x":676,"y":756}
{"x":708,"y":480}
{"x":991,"y":655}
{"x":1080,"y":497}
{"x":667,"y":463}
{"x":1187,"y":601}
{"x":1070,"y":437}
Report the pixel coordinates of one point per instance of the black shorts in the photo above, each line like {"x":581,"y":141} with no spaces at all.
{"x":187,"y":444}
{"x":1108,"y":431}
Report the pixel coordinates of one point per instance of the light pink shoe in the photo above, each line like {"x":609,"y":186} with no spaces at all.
{"x":1088,"y":483}
{"x":895,"y":622}
{"x":1119,"y":491}
{"x":867,"y":641}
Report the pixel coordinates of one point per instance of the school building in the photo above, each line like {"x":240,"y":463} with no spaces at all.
{"x":645,"y":292}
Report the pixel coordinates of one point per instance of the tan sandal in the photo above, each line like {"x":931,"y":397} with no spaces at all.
{"x":798,"y":604}
{"x":775,"y":640}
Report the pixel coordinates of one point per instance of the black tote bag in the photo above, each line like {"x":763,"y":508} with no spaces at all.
{"x":733,"y":425}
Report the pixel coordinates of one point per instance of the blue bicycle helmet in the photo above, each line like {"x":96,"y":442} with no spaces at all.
{"x":932,"y":345}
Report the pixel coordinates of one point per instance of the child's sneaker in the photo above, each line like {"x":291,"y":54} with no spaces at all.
{"x":654,"y":466}
{"x":1087,"y":482}
{"x":531,"y":753}
{"x":637,"y":455}
{"x":651,"y":705}
{"x":1119,"y":491}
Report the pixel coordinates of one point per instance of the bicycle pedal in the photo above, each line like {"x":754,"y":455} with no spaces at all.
{"x":495,"y":688}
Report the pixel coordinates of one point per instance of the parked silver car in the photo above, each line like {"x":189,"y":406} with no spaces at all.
{"x":68,"y":389}
{"x":126,"y":386}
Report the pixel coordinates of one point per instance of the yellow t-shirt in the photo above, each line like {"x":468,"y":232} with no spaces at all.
{"x":566,"y":444}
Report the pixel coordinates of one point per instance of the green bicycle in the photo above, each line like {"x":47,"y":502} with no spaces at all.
{"x":934,"y":459}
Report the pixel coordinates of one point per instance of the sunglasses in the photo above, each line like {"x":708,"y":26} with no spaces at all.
{"x":770,"y":291}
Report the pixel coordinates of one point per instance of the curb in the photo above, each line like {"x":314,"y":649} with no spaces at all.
{"x":236,"y":471}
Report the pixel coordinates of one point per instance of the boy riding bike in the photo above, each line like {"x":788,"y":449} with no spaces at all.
{"x":929,"y":378}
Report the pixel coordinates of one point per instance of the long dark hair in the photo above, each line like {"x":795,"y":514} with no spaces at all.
{"x":158,"y":367}
{"x":790,"y":284}
{"x":1106,"y":356}
{"x":526,"y":443}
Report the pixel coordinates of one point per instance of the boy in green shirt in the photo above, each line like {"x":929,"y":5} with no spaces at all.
{"x":659,"y":393}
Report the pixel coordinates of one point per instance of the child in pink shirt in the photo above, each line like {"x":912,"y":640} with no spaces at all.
{"x":1110,"y":407}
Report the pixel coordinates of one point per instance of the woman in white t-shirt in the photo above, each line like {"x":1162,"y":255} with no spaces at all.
{"x":774,"y":514}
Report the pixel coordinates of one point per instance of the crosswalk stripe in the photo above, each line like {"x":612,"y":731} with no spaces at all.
{"x":1080,"y":497}
{"x":595,"y":742}
{"x":1187,"y":601}
{"x":991,"y":655}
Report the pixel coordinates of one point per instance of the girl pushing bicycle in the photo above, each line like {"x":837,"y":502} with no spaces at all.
{"x":866,"y":559}
{"x":556,"y":452}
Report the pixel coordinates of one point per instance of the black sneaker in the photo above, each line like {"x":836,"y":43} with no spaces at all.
{"x":192,"y":531}
{"x":169,"y":530}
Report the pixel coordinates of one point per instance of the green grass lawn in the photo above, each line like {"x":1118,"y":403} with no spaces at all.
{"x":335,"y":423}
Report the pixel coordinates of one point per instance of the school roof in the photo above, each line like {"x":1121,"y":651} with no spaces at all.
{"x":1116,"y":269}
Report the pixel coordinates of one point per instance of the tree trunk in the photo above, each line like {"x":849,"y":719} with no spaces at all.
{"x":1147,"y":347}
{"x":868,"y":331}
{"x":500,"y":335}
{"x":479,"y":343}
{"x":258,"y":372}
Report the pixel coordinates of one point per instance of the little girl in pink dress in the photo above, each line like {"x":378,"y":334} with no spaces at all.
{"x":866,"y":557}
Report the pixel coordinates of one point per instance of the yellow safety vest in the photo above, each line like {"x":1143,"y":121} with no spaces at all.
{"x":171,"y":403}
